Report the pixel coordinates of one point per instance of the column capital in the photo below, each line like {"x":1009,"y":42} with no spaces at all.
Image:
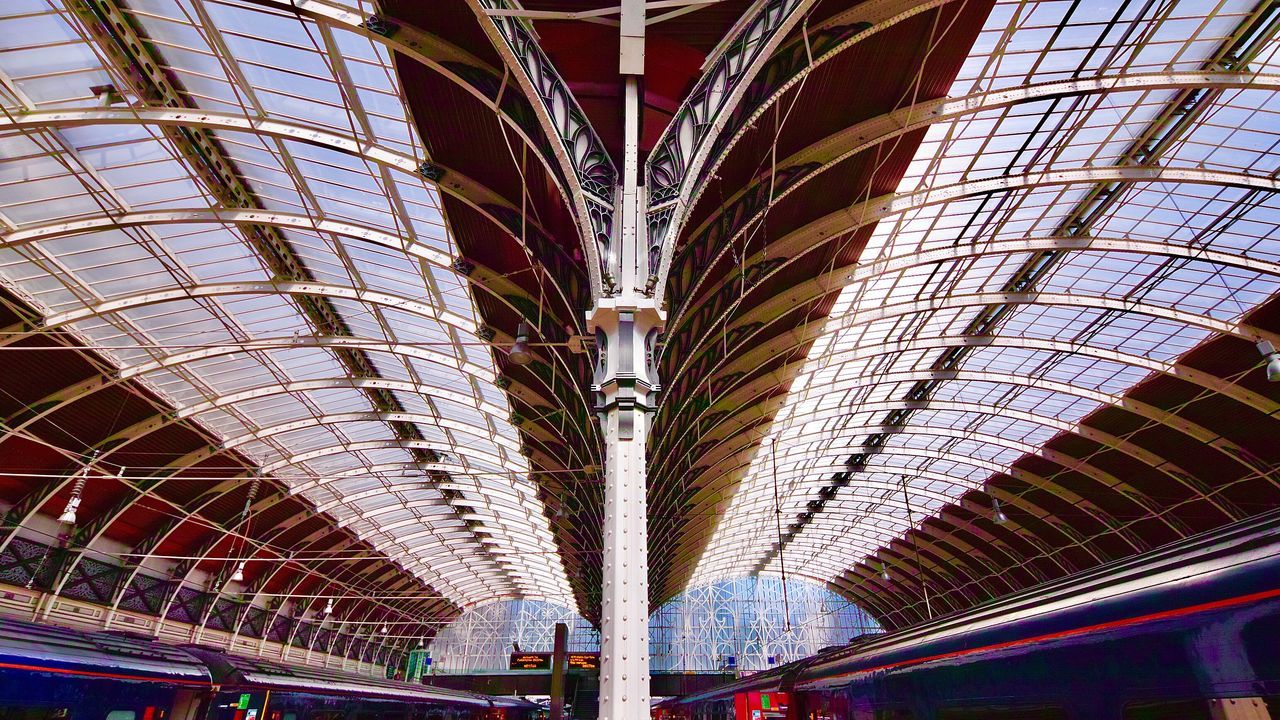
{"x":627,"y":330}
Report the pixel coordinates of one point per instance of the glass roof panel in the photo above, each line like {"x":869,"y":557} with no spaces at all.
{"x":198,"y":309}
{"x":1090,"y":322}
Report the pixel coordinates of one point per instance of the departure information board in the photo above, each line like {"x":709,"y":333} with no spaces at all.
{"x":530,"y":661}
{"x":589,"y":662}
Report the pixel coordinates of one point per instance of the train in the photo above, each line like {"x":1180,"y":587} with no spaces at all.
{"x":54,"y":673}
{"x":1190,"y":631}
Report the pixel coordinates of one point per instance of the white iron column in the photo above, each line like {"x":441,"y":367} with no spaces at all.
{"x":626,"y":323}
{"x":626,"y":329}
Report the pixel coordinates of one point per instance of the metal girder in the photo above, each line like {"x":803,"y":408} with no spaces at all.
{"x":675,"y":163}
{"x":777,"y":256}
{"x":401,"y":303}
{"x":371,"y":415}
{"x":194,"y":509}
{"x":122,"y":438}
{"x":354,"y":383}
{"x":480,"y":198}
{"x":1113,"y":442}
{"x":1200,"y":434}
{"x":1043,"y":483}
{"x":709,"y":505}
{"x":145,"y":550}
{"x":1149,"y":412}
{"x":833,"y":36}
{"x":987,"y":542}
{"x":946,"y":302}
{"x":755,"y":399}
{"x":138,"y":65}
{"x":388,"y":443}
{"x":1101,"y":477}
{"x":779,"y":306}
{"x":877,"y":267}
{"x":752,"y":202}
{"x":515,"y":389}
{"x":219,"y":587}
{"x":922,"y":561}
{"x":346,"y":577}
{"x":1162,"y":417}
{"x":1011,"y":499}
{"x":271,"y":218}
{"x":481,"y":80}
{"x":275,"y":219}
{"x":819,"y":287}
{"x":944,"y":562}
{"x":762,"y":352}
{"x":955,"y":554}
{"x":585,"y":167}
{"x":749,"y":396}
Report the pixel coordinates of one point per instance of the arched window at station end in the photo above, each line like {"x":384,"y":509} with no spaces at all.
{"x":750,"y":624}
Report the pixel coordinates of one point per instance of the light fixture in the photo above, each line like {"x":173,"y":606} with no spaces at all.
{"x":884,"y":572}
{"x":328,"y":607}
{"x":520,"y":354}
{"x":996,"y":513}
{"x":1273,"y":359}
{"x":68,"y":516}
{"x":238,"y":575}
{"x":384,"y":629}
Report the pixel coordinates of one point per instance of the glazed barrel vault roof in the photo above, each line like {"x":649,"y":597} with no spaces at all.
{"x":963,"y":295}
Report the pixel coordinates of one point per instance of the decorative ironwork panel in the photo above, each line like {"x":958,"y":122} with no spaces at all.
{"x":482,"y":638}
{"x":302,"y":638}
{"x":224,"y":614}
{"x":23,"y":560}
{"x":255,"y":622}
{"x":750,"y":624}
{"x":145,"y":594}
{"x":593,"y":170}
{"x":188,"y":605}
{"x":670,"y":163}
{"x":92,"y":581}
{"x":280,"y":629}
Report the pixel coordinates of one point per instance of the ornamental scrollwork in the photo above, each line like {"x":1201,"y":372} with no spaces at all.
{"x":592,"y":167}
{"x":668,"y":166}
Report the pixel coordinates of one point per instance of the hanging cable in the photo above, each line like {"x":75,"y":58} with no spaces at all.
{"x":924,"y":587}
{"x":777,"y":518}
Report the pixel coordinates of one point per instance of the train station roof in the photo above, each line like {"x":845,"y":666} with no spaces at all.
{"x":963,"y":295}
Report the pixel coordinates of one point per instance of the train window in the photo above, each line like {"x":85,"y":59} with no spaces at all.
{"x":122,"y":715}
{"x":1174,"y":710}
{"x":989,"y":713}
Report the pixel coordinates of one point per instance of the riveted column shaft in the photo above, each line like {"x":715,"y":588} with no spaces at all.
{"x":626,"y":331}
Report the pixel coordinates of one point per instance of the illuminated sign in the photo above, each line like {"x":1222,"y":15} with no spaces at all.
{"x":530,"y":661}
{"x":589,"y":662}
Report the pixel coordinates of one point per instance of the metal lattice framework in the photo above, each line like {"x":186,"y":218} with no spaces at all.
{"x":483,"y":638}
{"x":1018,"y":281}
{"x":228,"y":229}
{"x":751,"y":621}
{"x":916,"y":302}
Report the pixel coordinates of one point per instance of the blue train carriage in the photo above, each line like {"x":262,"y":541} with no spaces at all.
{"x":1188,"y":632}
{"x":51,"y":673}
{"x":255,"y":689}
